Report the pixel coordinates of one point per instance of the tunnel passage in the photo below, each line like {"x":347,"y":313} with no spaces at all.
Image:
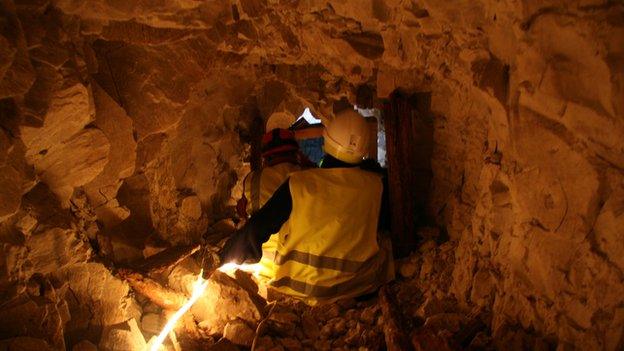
{"x":127,"y":128}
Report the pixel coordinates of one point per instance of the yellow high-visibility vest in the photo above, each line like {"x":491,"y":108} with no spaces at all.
{"x":259,"y":186}
{"x":329,"y":249}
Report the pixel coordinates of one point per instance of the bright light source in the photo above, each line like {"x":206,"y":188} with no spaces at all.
{"x":307,"y":115}
{"x":231,"y":267}
{"x":198,"y":289}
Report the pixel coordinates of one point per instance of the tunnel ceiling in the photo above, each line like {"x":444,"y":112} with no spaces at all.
{"x":137,"y":116}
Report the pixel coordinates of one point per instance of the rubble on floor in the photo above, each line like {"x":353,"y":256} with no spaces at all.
{"x":81,"y":300}
{"x":84,"y":306}
{"x":429,"y":315}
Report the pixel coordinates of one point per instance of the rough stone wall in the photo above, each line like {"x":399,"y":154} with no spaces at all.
{"x":134,"y":116}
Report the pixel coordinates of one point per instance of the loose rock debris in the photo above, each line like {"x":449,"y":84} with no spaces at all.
{"x":127,"y":310}
{"x":408,"y":314}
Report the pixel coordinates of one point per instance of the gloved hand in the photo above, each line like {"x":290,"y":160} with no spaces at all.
{"x":241,"y":248}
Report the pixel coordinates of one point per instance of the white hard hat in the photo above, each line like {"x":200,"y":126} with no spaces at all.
{"x":280,"y":120}
{"x":347,"y":137}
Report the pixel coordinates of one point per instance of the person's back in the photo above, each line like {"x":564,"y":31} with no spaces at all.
{"x":328,"y":248}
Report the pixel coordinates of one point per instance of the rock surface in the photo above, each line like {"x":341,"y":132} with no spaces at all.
{"x":239,"y":333}
{"x":96,"y":300}
{"x":122,"y":336}
{"x":149,"y":108}
{"x":224,"y":301}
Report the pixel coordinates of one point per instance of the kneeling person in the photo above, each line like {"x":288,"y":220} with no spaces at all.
{"x":329,"y":248}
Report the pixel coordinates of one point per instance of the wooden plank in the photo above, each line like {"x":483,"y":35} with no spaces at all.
{"x":396,"y":338}
{"x":151,"y":289}
{"x":409,"y":141}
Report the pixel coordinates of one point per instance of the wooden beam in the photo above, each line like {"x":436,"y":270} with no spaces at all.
{"x":151,"y":289}
{"x":409,"y":143}
{"x":396,"y":338}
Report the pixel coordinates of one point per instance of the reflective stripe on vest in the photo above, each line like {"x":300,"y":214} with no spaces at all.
{"x":374,"y":271}
{"x":337,"y":264}
{"x":329,"y":249}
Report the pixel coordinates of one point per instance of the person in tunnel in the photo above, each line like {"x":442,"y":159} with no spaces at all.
{"x":327,"y":220}
{"x":280,"y":157}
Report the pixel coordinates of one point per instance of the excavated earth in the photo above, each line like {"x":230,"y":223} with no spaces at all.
{"x":125,"y":128}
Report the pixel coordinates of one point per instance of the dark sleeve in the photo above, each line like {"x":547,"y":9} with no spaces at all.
{"x":246,"y":243}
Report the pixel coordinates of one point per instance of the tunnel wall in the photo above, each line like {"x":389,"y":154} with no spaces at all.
{"x":137,"y":116}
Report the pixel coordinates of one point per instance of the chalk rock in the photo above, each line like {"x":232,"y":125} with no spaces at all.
{"x":225,"y":301}
{"x":10,"y":195}
{"x":284,"y":317}
{"x":16,"y":71}
{"x":187,"y":13}
{"x":291,"y":344}
{"x":16,"y":176}
{"x":239,"y":333}
{"x":55,"y":249}
{"x":64,"y":154}
{"x":608,"y":235}
{"x":25,"y":343}
{"x":69,"y":110}
{"x":85,"y":345}
{"x":96,"y":299}
{"x":115,"y":124}
{"x":369,"y":314}
{"x":310,"y":326}
{"x":224,"y":345}
{"x":408,"y":269}
{"x":446,"y":321}
{"x":40,"y":317}
{"x":26,"y":224}
{"x":430,"y":307}
{"x":191,"y":207}
{"x":152,"y":323}
{"x":125,"y":336}
{"x":73,"y":163}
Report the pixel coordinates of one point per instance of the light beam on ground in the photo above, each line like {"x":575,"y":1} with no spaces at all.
{"x":198,"y":289}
